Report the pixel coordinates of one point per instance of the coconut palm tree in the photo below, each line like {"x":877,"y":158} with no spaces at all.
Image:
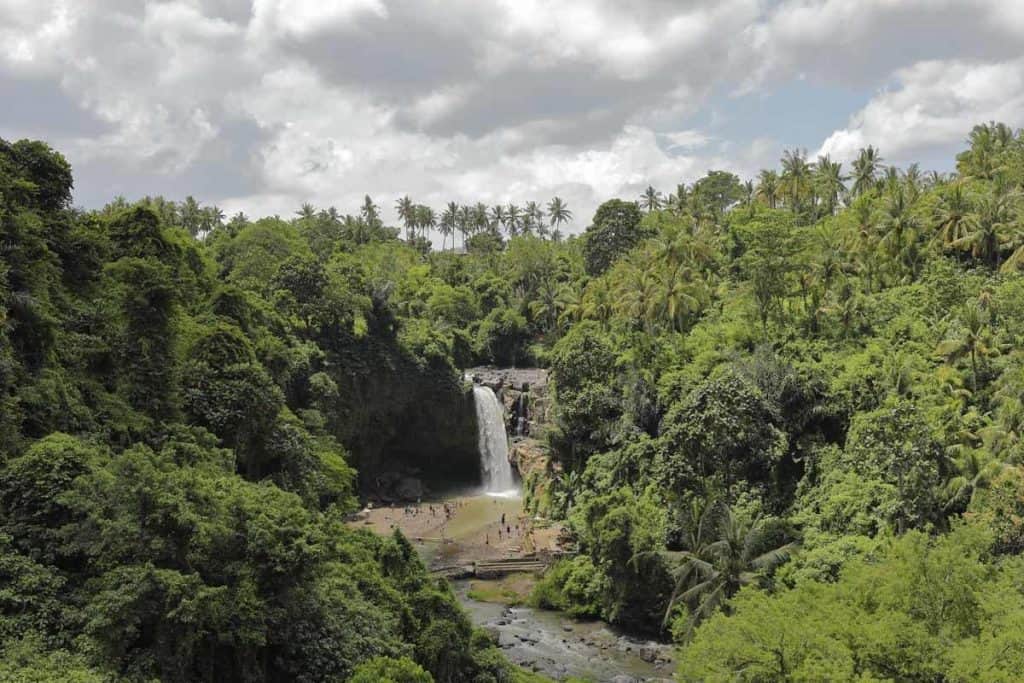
{"x":678,"y":201}
{"x":829,"y":179}
{"x":722,"y":554}
{"x":370,"y":213}
{"x":768,"y":188}
{"x":651,"y":199}
{"x":972,"y":340}
{"x":464,"y":220}
{"x":976,"y":468}
{"x":558,"y":214}
{"x":899,"y":226}
{"x":535,"y":217}
{"x":795,"y":179}
{"x":497,"y":217}
{"x":598,"y":302}
{"x":865,"y":169}
{"x":952,"y":216}
{"x":426,"y":220}
{"x":407,"y":213}
{"x":990,"y":228}
{"x":449,"y":223}
{"x":513,"y":219}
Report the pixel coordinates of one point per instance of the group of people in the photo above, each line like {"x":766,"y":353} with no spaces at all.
{"x":506,"y":530}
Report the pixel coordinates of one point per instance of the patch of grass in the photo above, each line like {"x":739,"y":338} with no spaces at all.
{"x":511,"y":590}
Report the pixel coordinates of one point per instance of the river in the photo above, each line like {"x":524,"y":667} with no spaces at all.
{"x":558,"y":646}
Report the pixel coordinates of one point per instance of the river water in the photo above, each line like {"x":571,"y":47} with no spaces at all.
{"x":557,"y":646}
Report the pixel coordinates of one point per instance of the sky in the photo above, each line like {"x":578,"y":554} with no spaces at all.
{"x":262,"y":105}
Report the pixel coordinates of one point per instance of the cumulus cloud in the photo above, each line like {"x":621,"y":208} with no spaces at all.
{"x":933,"y":103}
{"x":262,"y":105}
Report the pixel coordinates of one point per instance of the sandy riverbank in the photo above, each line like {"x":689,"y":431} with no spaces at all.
{"x":471,"y":529}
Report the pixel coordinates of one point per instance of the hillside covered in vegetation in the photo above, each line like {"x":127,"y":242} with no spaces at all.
{"x":786,"y":425}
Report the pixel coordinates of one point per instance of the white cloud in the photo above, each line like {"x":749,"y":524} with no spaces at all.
{"x":299,"y":19}
{"x":934,"y":103}
{"x":489,"y":100}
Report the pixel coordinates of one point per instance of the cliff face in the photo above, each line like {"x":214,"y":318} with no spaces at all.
{"x":403,"y":419}
{"x":524,"y":393}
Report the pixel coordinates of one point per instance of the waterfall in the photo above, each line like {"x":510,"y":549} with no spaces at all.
{"x":493,"y":441}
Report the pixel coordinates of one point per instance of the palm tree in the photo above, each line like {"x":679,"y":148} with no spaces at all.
{"x":723,"y":553}
{"x":190,"y":215}
{"x":795,"y":179}
{"x":449,"y":221}
{"x":651,"y":199}
{"x":535,"y":217}
{"x":976,"y":469}
{"x":913,"y":181}
{"x":899,"y":225}
{"x":952,"y":216}
{"x":828,"y":176}
{"x":480,"y":222}
{"x":678,"y":201}
{"x":865,"y":167}
{"x":513,"y":219}
{"x":637,"y":293}
{"x":547,"y":305}
{"x":426,"y":220}
{"x":465,"y":222}
{"x":768,"y":188}
{"x":497,"y":217}
{"x":989,"y":228}
{"x":683,"y":295}
{"x":972,"y":341}
{"x":598,"y":302}
{"x":407,"y":213}
{"x":558,"y":214}
{"x":212,"y":218}
{"x":370,"y":213}
{"x":1002,"y":436}
{"x":306,"y":211}
{"x":748,"y":195}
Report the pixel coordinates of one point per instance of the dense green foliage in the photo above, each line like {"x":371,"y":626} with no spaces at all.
{"x":181,"y":423}
{"x":786,"y":426}
{"x":788,"y":421}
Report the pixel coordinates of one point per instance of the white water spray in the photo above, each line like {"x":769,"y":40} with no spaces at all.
{"x":493,"y":443}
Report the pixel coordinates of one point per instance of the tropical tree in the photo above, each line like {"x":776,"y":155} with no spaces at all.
{"x":426,"y":220}
{"x":651,"y":199}
{"x":972,"y":339}
{"x":534,"y":218}
{"x":678,"y":200}
{"x":865,"y":170}
{"x":407,"y":213}
{"x":829,"y":180}
{"x":795,"y":181}
{"x":975,"y":469}
{"x":464,"y":220}
{"x":558,"y":214}
{"x":768,"y":188}
{"x":723,"y":553}
{"x":513,"y":219}
{"x":899,"y":227}
{"x":497,"y":217}
{"x":449,"y":223}
{"x":952,"y":216}
{"x":990,"y":227}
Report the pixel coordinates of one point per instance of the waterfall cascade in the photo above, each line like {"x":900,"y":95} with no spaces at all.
{"x":493,"y":442}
